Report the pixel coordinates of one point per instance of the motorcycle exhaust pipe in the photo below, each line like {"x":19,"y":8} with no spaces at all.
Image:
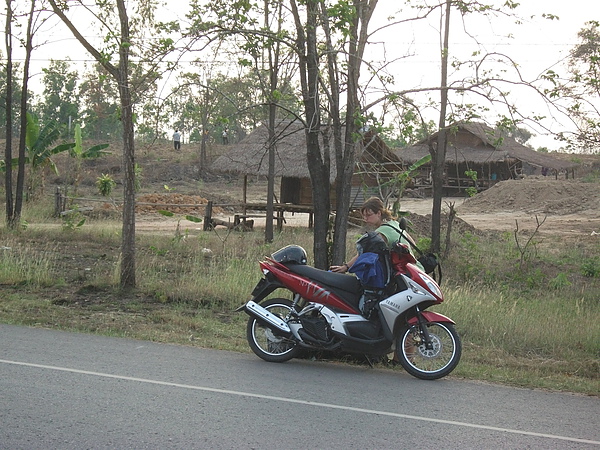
{"x":271,"y":320}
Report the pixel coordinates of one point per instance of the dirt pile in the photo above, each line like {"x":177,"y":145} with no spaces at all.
{"x":536,"y":196}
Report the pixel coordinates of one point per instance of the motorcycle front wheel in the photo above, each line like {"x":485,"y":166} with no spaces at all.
{"x":264,"y":342}
{"x":432,"y":363}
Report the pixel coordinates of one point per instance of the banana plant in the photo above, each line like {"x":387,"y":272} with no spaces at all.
{"x":93,"y":152}
{"x":79,"y":154}
{"x":38,"y":150}
{"x":39,"y":144}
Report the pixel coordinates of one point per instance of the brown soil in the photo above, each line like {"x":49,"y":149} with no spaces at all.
{"x":566,"y":207}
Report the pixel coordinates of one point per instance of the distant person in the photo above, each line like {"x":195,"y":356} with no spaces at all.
{"x":225,"y":138}
{"x":177,"y":140}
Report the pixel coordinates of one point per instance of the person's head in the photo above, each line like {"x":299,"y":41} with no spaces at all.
{"x":374,"y":212}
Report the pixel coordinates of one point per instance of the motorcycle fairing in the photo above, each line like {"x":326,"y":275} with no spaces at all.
{"x":307,"y":288}
{"x":431,"y":316}
{"x":425,"y":281}
{"x":393,"y":306}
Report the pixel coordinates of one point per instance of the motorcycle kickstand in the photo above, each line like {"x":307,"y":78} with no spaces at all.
{"x":369,"y":361}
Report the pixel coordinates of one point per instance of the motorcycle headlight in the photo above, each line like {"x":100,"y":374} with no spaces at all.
{"x":431,"y":285}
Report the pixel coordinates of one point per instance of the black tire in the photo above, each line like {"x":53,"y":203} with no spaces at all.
{"x":264,"y":342}
{"x":426,"y":364}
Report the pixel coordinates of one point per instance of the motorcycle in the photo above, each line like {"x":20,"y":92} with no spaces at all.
{"x":333,"y":312}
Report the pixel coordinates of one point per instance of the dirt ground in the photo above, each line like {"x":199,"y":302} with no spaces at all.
{"x":566,"y":207}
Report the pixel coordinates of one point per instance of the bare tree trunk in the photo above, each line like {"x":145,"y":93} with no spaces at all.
{"x":9,"y":87}
{"x":121,"y":76}
{"x":345,"y":146}
{"x":204,"y":138}
{"x":128,"y":242}
{"x":23,"y":131}
{"x":438,"y":152}
{"x":318,"y":164}
{"x":273,"y":57}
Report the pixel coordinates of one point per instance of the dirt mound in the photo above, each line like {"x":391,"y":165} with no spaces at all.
{"x":536,"y":196}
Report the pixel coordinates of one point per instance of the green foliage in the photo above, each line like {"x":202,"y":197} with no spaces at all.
{"x":471,"y":190}
{"x":592,"y":177}
{"x":73,"y":221}
{"x":39,"y":143}
{"x":178,"y":235}
{"x":39,"y":150}
{"x":60,"y":99}
{"x":399,"y":183}
{"x":591,"y":268}
{"x":95,"y":151}
{"x":105,"y":184}
{"x":560,"y":281}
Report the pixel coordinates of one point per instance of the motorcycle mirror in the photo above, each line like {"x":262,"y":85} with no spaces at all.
{"x":403,"y":224}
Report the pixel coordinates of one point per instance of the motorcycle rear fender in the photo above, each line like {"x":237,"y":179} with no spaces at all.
{"x":308,"y":289}
{"x":263,"y":288}
{"x":431,"y":316}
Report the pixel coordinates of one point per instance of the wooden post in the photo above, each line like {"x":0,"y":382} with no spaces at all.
{"x":57,"y":202}
{"x":244,"y":193}
{"x":208,"y":217}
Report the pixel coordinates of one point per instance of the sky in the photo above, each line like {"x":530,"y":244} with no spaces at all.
{"x":536,"y":44}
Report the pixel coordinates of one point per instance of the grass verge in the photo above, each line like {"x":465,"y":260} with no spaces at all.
{"x":517,"y":327}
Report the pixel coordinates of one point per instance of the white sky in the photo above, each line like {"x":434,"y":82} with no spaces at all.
{"x":536,"y":45}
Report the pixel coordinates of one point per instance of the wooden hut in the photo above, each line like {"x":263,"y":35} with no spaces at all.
{"x":375,"y":163}
{"x":477,"y":147}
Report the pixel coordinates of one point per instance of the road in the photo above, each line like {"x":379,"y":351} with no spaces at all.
{"x":61,"y":390}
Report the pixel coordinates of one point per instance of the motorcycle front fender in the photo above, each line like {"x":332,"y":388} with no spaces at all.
{"x":431,"y":316}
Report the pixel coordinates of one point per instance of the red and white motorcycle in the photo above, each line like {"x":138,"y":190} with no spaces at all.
{"x":337,"y":312}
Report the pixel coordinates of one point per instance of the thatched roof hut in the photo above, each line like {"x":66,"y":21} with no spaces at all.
{"x":250,"y":157}
{"x":477,"y":147}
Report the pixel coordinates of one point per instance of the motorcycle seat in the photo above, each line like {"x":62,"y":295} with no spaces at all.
{"x":347,"y":283}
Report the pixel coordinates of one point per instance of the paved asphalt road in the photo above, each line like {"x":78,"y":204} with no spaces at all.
{"x":63,"y":390}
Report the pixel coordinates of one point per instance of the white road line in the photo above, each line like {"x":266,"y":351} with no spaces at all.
{"x":303,"y":402}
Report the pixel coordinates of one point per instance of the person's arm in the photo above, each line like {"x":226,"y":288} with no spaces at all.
{"x":344,"y":267}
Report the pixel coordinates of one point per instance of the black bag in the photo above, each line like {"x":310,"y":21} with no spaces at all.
{"x":428,"y":261}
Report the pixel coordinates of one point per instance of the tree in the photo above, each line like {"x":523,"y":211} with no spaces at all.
{"x":260,"y":54}
{"x":13,"y":217}
{"x":352,"y":18}
{"x":10,"y":99}
{"x":60,"y":101}
{"x":8,"y":114}
{"x":121,"y":43}
{"x":99,"y":107}
{"x":438,"y":152}
{"x":577,"y":93}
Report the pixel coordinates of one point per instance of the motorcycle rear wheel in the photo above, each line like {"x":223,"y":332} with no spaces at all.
{"x":429,"y":364}
{"x":264,"y":342}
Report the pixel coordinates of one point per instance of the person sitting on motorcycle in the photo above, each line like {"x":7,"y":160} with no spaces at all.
{"x":376,"y":215}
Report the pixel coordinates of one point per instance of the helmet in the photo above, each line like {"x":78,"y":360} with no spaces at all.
{"x":290,"y":253}
{"x":371,"y":242}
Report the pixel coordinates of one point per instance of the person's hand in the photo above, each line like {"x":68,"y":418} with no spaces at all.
{"x":339,"y":269}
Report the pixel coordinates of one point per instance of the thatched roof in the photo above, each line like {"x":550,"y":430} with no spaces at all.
{"x":482,"y":149}
{"x":250,"y":156}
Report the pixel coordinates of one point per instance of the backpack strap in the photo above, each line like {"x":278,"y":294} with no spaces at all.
{"x":402,"y":235}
